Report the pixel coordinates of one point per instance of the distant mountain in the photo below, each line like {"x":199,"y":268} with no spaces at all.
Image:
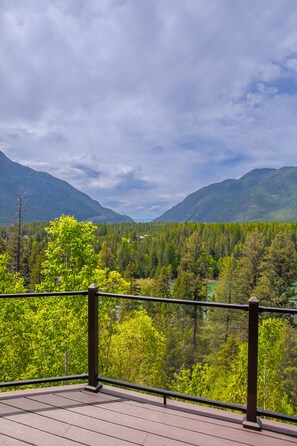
{"x":260,"y":195}
{"x":46,"y":197}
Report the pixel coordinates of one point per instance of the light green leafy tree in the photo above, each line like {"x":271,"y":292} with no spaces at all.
{"x":10,"y":283}
{"x":193,"y":381}
{"x":276,"y":366}
{"x":61,"y":322}
{"x":70,"y":258}
{"x":226,"y":378}
{"x":136,"y":351}
{"x":15,"y":346}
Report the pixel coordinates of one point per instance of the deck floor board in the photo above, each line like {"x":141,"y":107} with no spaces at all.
{"x":70,"y":415}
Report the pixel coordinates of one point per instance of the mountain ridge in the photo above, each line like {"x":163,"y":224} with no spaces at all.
{"x":46,"y":197}
{"x":259,"y":195}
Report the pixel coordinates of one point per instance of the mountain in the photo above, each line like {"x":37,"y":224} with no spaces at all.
{"x":260,"y":195}
{"x":46,"y":197}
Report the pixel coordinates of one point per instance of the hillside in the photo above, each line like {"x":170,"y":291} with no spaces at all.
{"x":260,"y":195}
{"x":46,"y":197}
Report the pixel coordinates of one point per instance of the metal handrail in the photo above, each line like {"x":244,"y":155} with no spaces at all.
{"x":94,"y":379}
{"x":44,"y":294}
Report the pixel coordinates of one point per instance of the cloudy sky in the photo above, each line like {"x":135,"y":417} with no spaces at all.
{"x":140,"y":102}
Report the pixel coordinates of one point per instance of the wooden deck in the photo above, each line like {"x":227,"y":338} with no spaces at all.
{"x":69,"y":415}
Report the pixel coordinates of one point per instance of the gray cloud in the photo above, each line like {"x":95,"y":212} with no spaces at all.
{"x":87,"y":170}
{"x":139,"y":104}
{"x":131,"y":180}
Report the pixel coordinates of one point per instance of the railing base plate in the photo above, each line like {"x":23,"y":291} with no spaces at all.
{"x":93,"y":389}
{"x":256,"y":426}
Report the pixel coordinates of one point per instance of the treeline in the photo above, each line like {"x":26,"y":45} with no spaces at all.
{"x":144,"y":246}
{"x":188,"y":349}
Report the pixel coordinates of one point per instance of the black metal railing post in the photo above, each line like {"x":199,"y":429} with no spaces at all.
{"x":251,"y":421}
{"x":93,"y":384}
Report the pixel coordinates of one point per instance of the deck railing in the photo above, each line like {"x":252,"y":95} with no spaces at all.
{"x":95,"y":380}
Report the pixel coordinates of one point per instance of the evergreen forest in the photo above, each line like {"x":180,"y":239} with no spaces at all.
{"x":195,"y":350}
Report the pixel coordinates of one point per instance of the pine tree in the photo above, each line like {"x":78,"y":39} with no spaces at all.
{"x":15,"y":240}
{"x":106,"y":258}
{"x":193,"y":274}
{"x":279,"y":271}
{"x":252,"y":253}
{"x":222,"y":323}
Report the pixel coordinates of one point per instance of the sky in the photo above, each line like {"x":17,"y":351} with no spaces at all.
{"x":139,"y":103}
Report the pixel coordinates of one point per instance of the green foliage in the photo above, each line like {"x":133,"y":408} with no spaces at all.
{"x":194,"y":270}
{"x":9,"y":283}
{"x":279,"y":271}
{"x":225,"y":378}
{"x":202,"y":352}
{"x":110,"y":281}
{"x":136,"y":351}
{"x":274,"y":366}
{"x":252,"y":253}
{"x":194,"y":381}
{"x":106,"y":259}
{"x":193,"y":273}
{"x":223,"y":322}
{"x":14,"y":324}
{"x":69,"y":258}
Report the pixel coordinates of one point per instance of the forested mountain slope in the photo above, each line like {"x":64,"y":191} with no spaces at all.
{"x":260,"y":195}
{"x":46,"y":197}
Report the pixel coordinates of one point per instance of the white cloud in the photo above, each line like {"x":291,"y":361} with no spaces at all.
{"x":292,"y":64}
{"x":134,"y":102}
{"x":270,"y":72}
{"x":36,"y":165}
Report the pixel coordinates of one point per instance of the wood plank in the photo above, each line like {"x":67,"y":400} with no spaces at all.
{"x":65,"y":416}
{"x":94,"y":439}
{"x":33,"y":420}
{"x":154,"y":440}
{"x":271,"y":428}
{"x":136,"y":422}
{"x":61,"y":414}
{"x":33,"y":436}
{"x":40,"y":390}
{"x":9,"y":441}
{"x":169,"y":418}
{"x":204,"y":413}
{"x":192,"y":411}
{"x":186,"y":407}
